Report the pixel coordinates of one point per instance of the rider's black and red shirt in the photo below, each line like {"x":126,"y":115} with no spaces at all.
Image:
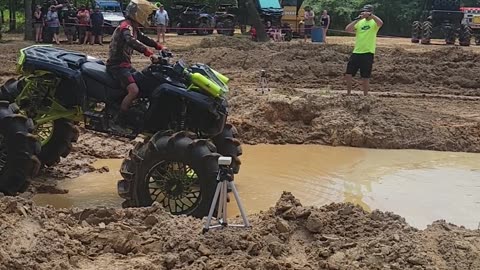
{"x":125,"y":39}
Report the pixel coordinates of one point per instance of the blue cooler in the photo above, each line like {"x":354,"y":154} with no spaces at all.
{"x":317,"y":34}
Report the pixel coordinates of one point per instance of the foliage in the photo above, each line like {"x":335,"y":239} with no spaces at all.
{"x":397,"y":14}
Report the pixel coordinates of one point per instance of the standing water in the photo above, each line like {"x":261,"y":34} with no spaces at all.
{"x":421,"y":186}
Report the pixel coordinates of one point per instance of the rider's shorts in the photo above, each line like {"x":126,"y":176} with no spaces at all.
{"x":123,"y":74}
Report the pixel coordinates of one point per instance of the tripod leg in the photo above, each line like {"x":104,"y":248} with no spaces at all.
{"x":220,"y":202}
{"x":225,"y":194}
{"x":240,"y":205}
{"x":212,"y":208}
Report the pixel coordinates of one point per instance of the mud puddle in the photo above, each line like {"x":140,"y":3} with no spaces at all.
{"x":422,"y":186}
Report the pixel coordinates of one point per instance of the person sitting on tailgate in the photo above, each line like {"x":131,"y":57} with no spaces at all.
{"x":126,"y":38}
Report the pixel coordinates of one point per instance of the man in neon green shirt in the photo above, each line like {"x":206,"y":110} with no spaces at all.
{"x":365,"y":27}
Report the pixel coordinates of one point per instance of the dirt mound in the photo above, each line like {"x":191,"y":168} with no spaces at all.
{"x":288,"y":236}
{"x":446,"y":70}
{"x":323,"y":118}
{"x":235,"y":42}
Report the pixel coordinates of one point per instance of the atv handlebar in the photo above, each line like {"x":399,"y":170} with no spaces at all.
{"x":162,"y":55}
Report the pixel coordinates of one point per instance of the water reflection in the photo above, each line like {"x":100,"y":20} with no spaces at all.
{"x":422,"y":186}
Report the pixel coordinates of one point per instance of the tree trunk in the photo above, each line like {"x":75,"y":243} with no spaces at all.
{"x":28,"y":20}
{"x":13,"y":17}
{"x":256,"y":21}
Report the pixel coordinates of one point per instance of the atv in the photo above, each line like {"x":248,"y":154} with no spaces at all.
{"x":195,"y":19}
{"x":443,"y":14}
{"x":181,"y":112}
{"x":225,"y":21}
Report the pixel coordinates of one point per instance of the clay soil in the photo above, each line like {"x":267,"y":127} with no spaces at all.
{"x":287,"y":236}
{"x":422,"y":98}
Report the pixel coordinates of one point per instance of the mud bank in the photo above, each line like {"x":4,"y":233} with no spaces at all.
{"x":450,"y":70}
{"x":421,"y":99}
{"x":287,"y":236}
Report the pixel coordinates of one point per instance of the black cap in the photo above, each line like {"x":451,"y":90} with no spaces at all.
{"x":367,"y":8}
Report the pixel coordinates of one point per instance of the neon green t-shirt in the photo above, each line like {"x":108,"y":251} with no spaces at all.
{"x":366,"y":36}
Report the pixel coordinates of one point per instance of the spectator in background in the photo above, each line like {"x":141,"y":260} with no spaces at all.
{"x":365,"y":27}
{"x":325,"y":20}
{"x":161,"y":21}
{"x":84,"y":21}
{"x":309,"y":20}
{"x":38,"y":23}
{"x":97,"y":26}
{"x":53,"y":23}
{"x":69,"y":23}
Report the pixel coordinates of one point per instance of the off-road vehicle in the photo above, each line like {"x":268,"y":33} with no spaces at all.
{"x":181,"y":112}
{"x":445,"y":15}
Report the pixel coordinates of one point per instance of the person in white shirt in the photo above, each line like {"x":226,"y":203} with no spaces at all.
{"x":161,"y":21}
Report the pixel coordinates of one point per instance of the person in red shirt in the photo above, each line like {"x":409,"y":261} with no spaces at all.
{"x":85,"y":28}
{"x":126,"y":38}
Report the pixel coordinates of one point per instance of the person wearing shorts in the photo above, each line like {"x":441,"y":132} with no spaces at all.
{"x":161,"y":21}
{"x":38,"y":23}
{"x":53,"y":24}
{"x":325,"y":20}
{"x":126,"y":38}
{"x":309,"y":19}
{"x":97,"y":26}
{"x":69,"y":23}
{"x":85,"y":28}
{"x":365,"y":27}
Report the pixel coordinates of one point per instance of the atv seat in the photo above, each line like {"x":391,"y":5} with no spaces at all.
{"x":99,"y":73}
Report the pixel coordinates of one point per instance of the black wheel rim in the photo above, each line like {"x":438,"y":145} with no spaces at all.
{"x":174,"y":185}
{"x":3,"y":153}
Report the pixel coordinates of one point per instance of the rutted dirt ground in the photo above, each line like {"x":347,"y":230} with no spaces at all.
{"x":421,"y":99}
{"x":288,"y":236}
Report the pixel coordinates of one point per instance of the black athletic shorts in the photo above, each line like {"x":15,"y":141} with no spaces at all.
{"x":97,"y":30}
{"x":122,"y":74}
{"x":362,"y":62}
{"x":54,"y":30}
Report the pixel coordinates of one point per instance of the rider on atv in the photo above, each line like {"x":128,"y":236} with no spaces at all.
{"x":126,"y":38}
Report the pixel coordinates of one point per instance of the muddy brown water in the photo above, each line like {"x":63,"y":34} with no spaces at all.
{"x":421,"y":186}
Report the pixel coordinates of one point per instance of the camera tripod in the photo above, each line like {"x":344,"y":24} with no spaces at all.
{"x":263,"y":82}
{"x":224,"y":180}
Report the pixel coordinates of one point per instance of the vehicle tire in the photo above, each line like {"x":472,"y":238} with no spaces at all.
{"x":183,"y":170}
{"x":220,"y":28}
{"x":18,"y":151}
{"x":229,"y":28}
{"x":416,"y":31}
{"x":202,"y":29}
{"x":228,"y":146}
{"x":427,"y":28}
{"x":477,"y":40}
{"x":180,"y":32}
{"x":464,"y":35}
{"x":56,"y":138}
{"x":449,"y":35}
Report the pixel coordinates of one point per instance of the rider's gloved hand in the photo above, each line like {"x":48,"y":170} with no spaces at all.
{"x":148,"y":52}
{"x":160,"y":47}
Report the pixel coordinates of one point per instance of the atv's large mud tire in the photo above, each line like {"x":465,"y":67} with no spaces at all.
{"x":199,"y":155}
{"x":449,"y":35}
{"x":202,"y":29}
{"x":416,"y":31}
{"x":427,"y":29}
{"x":18,"y":151}
{"x":59,"y":144}
{"x":464,"y":35}
{"x":228,"y":146}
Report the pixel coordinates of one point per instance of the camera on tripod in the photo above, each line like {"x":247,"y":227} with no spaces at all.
{"x":224,"y":161}
{"x":219,"y":202}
